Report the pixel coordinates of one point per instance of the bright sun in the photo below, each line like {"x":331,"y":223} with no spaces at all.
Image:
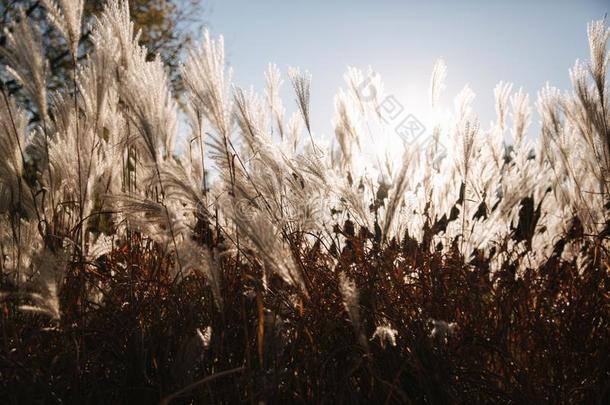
{"x":402,"y":124}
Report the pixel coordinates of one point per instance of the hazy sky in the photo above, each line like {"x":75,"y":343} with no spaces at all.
{"x":482,"y":42}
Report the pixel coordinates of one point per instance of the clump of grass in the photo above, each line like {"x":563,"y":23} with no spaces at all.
{"x":257,"y":266}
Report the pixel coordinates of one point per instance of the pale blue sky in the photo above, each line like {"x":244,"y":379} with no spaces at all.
{"x":482,"y":42}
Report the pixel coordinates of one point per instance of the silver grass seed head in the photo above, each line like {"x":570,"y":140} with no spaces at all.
{"x":437,"y":81}
{"x":66,"y":16}
{"x":26,"y":60}
{"x":301,"y":83}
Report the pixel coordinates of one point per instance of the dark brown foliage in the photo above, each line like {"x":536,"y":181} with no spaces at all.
{"x":542,"y":338}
